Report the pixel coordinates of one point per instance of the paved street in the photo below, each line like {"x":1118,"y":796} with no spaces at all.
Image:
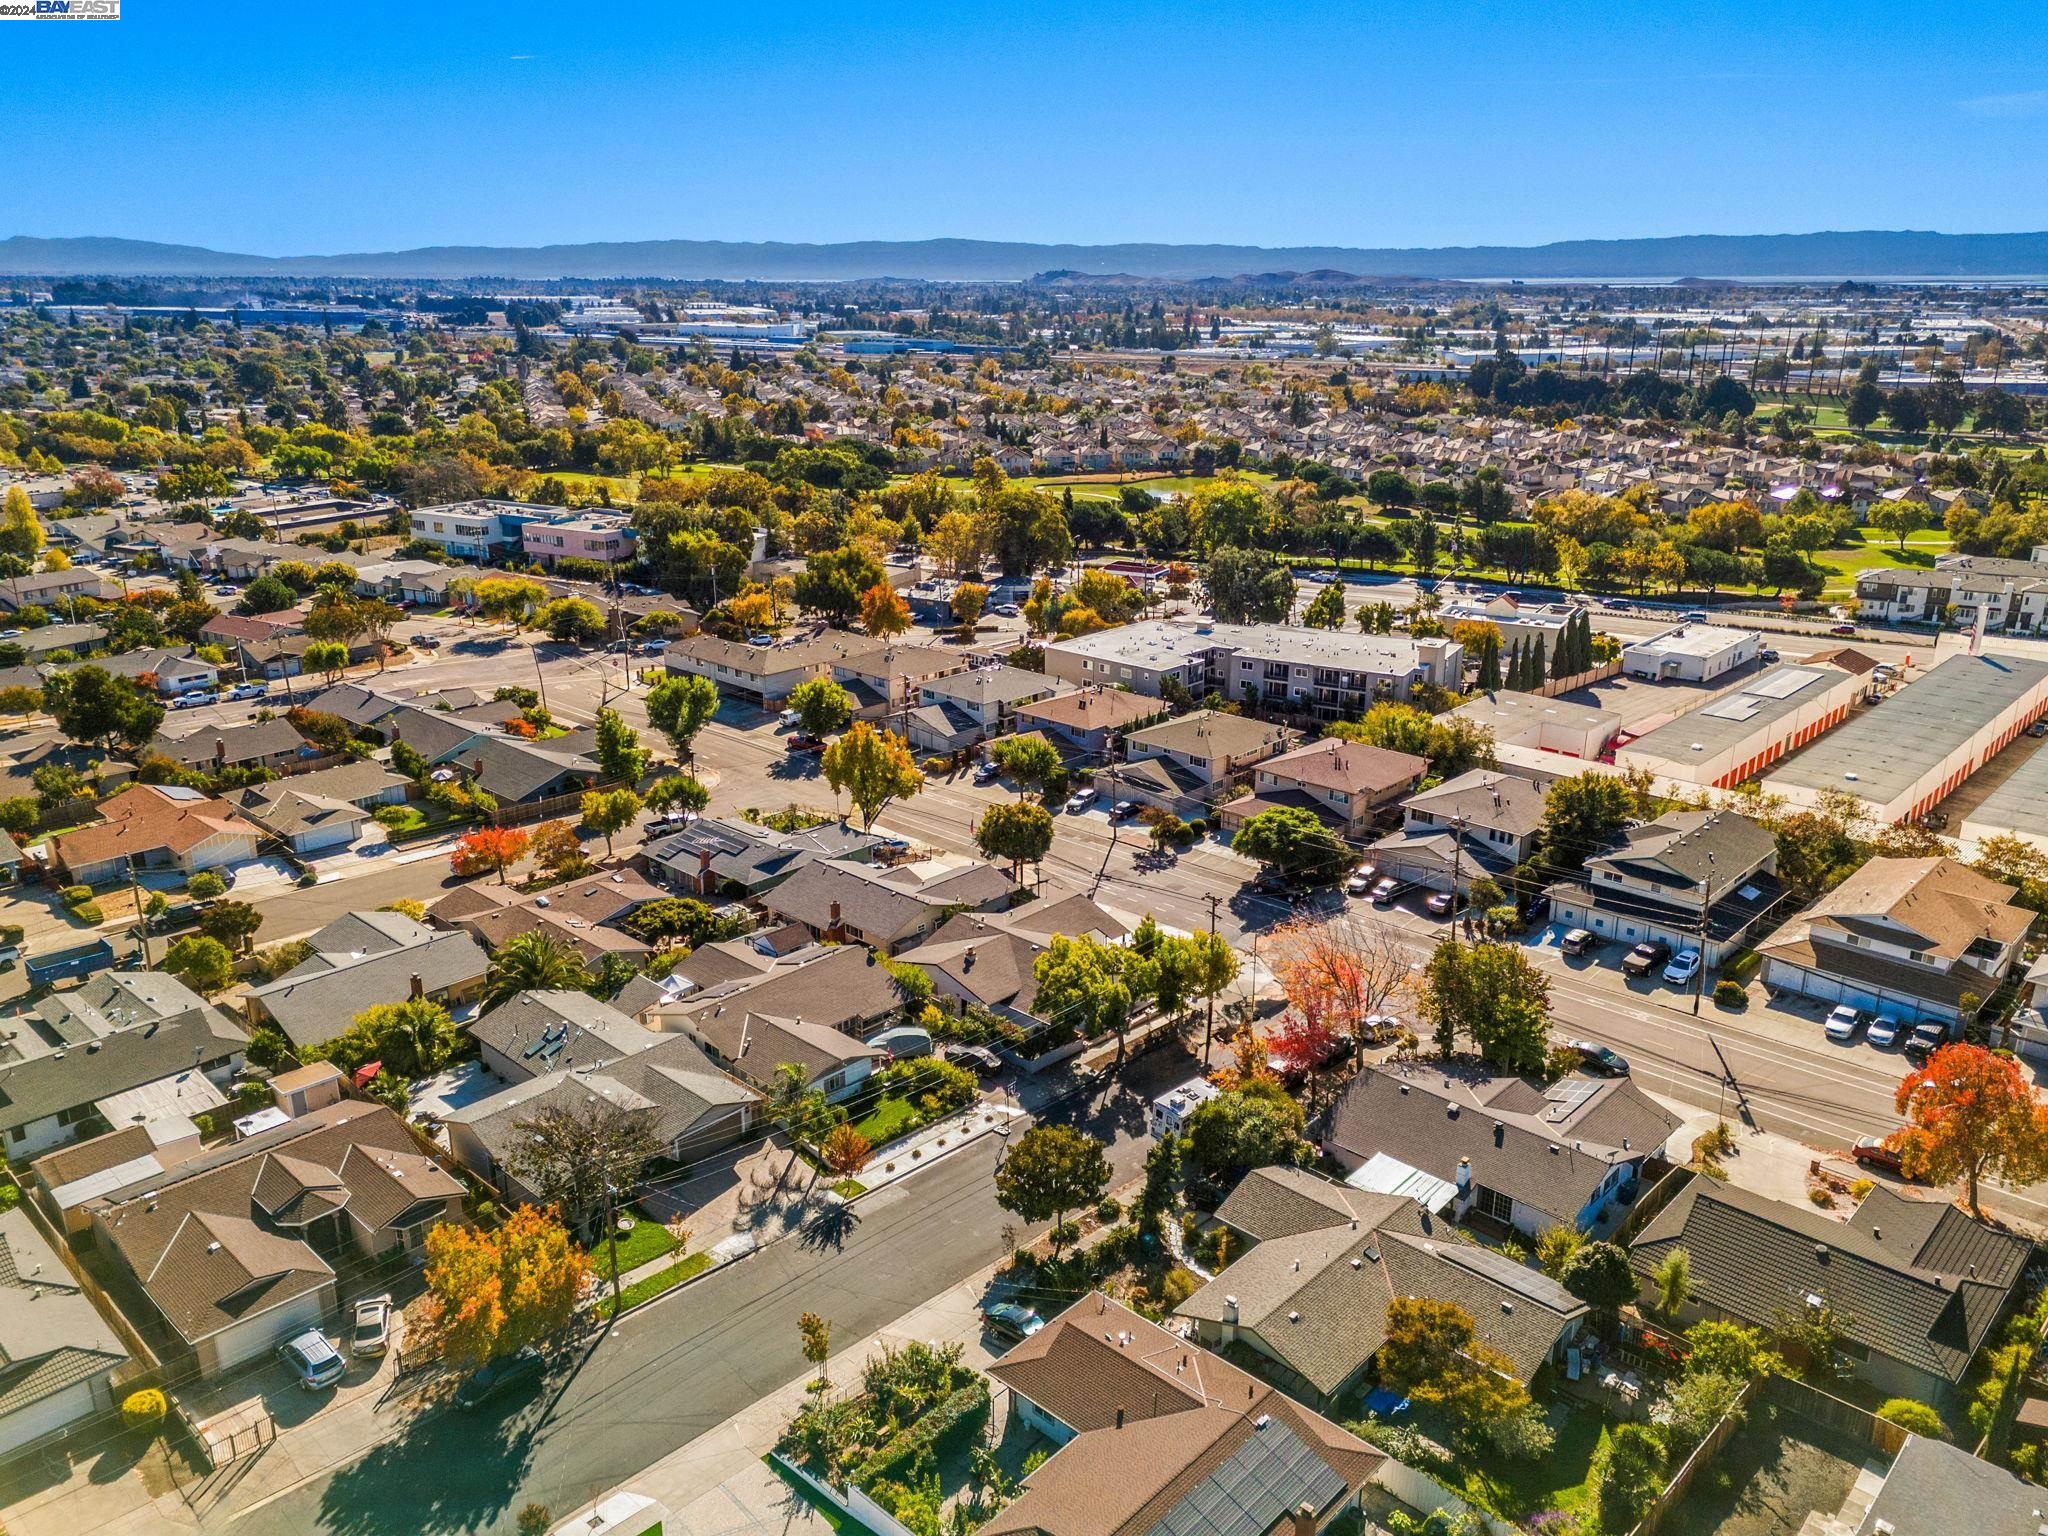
{"x":671,"y":1372}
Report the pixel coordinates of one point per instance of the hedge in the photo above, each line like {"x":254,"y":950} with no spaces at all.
{"x":912,"y":1453}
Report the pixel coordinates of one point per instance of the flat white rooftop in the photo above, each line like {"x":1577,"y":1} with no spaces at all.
{"x":1158,"y":644}
{"x":1705,"y":640}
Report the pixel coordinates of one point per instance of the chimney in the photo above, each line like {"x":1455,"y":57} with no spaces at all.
{"x":703,"y":871}
{"x":220,"y":752}
{"x":1304,"y":1521}
{"x":1119,"y":1418}
{"x":1464,"y":1173}
{"x":833,"y":920}
{"x":419,"y":988}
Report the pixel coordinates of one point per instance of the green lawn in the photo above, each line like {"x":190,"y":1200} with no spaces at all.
{"x":661,"y":1280}
{"x":648,"y":1240}
{"x":886,"y":1121}
{"x":837,"y":1520}
{"x":845,"y":1189}
{"x":1519,"y":1489}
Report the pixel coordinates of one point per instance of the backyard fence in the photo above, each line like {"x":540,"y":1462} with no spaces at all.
{"x":1650,"y":1202}
{"x":1701,"y":1458}
{"x":541,"y":810}
{"x":1831,"y":1412}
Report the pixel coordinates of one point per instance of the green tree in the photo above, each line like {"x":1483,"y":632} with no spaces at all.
{"x":327,"y":657}
{"x":620,"y":756}
{"x":1295,"y":843}
{"x":678,"y":706}
{"x":1581,"y":815}
{"x":534,"y":962}
{"x":234,"y":923}
{"x":1251,"y":1126}
{"x":1900,"y":519}
{"x":93,"y":705}
{"x":1673,"y":1279}
{"x":1082,"y":987}
{"x":1490,"y":995}
{"x":833,"y":582}
{"x":203,"y":964}
{"x":608,"y":812}
{"x":1017,"y":832}
{"x":821,"y":706}
{"x":1247,"y":587}
{"x":1600,"y":1276}
{"x":21,"y":531}
{"x":572,"y":620}
{"x":415,"y":1038}
{"x":1326,"y":609}
{"x":1731,"y":1349}
{"x":266,"y":594}
{"x":871,"y":768}
{"x":1915,"y":1417}
{"x":1050,"y":1171}
{"x":1032,"y":761}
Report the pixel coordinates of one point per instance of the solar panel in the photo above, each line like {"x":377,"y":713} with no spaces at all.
{"x":1784,"y":683}
{"x":1563,"y":1098}
{"x":1737,"y":706}
{"x":1272,"y":1473}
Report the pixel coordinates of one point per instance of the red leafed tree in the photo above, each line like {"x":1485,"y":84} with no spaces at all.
{"x":1336,"y":973}
{"x":1971,"y":1114}
{"x":488,"y":850}
{"x":1306,"y":1049}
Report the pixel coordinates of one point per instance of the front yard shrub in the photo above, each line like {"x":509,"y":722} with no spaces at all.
{"x":89,"y":912}
{"x":1730,"y":994}
{"x":76,"y":895}
{"x":145,"y":1409}
{"x":915,"y":1452}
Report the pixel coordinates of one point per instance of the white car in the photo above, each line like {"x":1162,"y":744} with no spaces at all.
{"x":1846,"y":1023}
{"x":1080,"y":799}
{"x":1683,"y":967}
{"x":372,"y":1332}
{"x":1381,"y":1026}
{"x":1884,"y":1033}
{"x":249,"y":691}
{"x":194,"y":700}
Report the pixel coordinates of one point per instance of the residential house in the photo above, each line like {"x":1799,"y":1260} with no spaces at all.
{"x":964,"y":709}
{"x":765,"y":674}
{"x":1934,"y":1486}
{"x":1521,"y":1153}
{"x":50,"y":589}
{"x":714,"y":856}
{"x":365,"y":709}
{"x":838,"y":987}
{"x":2007,"y":594}
{"x":1342,"y":783}
{"x":307,"y":822}
{"x":125,"y":1048}
{"x":1319,"y":1262}
{"x":754,"y":1046}
{"x":58,"y":1354}
{"x":988,"y":959}
{"x":539,"y":1034}
{"x":155,"y":826}
{"x":173,"y":671}
{"x":1914,"y":1287}
{"x":269,"y":744}
{"x":1213,"y":746}
{"x":1156,"y":1434}
{"x":66,"y":1179}
{"x":1908,"y":938}
{"x":887,"y":678}
{"x":521,"y":772}
{"x":363,"y":959}
{"x":583,"y":915}
{"x":668,"y":1083}
{"x":888,"y":909}
{"x":1480,"y":823}
{"x":1089,"y":719}
{"x":1690,"y":879}
{"x":43,"y":644}
{"x":229,"y":1248}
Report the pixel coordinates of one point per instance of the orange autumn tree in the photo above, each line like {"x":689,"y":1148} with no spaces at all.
{"x":1336,"y":973}
{"x":1971,"y":1114}
{"x":488,"y":850}
{"x":883,"y":611}
{"x":491,"y":1293}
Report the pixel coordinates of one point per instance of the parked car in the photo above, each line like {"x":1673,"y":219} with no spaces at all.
{"x":1843,"y":631}
{"x":195,"y":700}
{"x":1007,"y":611}
{"x":760,"y":637}
{"x":179,"y":914}
{"x":1361,"y":881}
{"x":1645,"y":957}
{"x":1683,"y":967}
{"x":1388,"y":889}
{"x":1872,"y":1152}
{"x":1273,"y":882}
{"x":1579,"y":941}
{"x":520,"y":1369}
{"x":1381,"y":1026}
{"x":1884,"y":1033}
{"x":1767,"y":656}
{"x":372,"y":1332}
{"x":653,"y":647}
{"x":313,"y":1360}
{"x":786,"y":721}
{"x":987,"y":773}
{"x":1010,"y":1320}
{"x":978,"y":1059}
{"x":424,"y":641}
{"x":248,"y":691}
{"x":1927,"y":1038}
{"x":2038,"y":728}
{"x":1846,"y":1023}
{"x":1601,"y":1059}
{"x":1443,"y":903}
{"x":805,"y":744}
{"x":1123,"y":809}
{"x":1696,"y":616}
{"x":1080,"y":799}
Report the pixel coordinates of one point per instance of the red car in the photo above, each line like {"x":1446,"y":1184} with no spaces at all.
{"x":1872,"y":1152}
{"x":805,"y":744}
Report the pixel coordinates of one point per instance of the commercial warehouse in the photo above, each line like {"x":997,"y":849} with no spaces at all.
{"x":1691,"y":653}
{"x":1903,"y":758}
{"x":2017,"y":808}
{"x":1531,"y":721}
{"x":1739,"y":734}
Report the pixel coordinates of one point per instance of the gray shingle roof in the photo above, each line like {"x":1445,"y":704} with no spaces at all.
{"x":1934,"y":1486}
{"x":55,"y":1341}
{"x":315,"y":1000}
{"x":1918,"y":1287}
{"x":83,"y":1073}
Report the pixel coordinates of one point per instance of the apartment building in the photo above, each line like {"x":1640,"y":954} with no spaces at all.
{"x":601,"y":536}
{"x":479,"y":530}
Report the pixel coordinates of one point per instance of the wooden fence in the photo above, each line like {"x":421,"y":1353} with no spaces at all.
{"x":1831,"y":1412}
{"x":1701,"y":1458}
{"x":570,"y":805}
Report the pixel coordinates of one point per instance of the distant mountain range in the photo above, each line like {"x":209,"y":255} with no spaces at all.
{"x":1875,"y":254}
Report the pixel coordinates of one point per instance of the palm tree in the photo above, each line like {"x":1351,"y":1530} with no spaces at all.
{"x":535,"y":962}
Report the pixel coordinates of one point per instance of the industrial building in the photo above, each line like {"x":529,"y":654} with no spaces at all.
{"x":1903,"y":758}
{"x":1531,"y":723}
{"x":1742,"y":732}
{"x":2017,"y":808}
{"x":1691,"y":653}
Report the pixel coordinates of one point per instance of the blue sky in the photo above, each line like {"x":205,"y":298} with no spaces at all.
{"x":298,"y":126}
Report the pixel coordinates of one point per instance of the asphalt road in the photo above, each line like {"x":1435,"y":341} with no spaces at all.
{"x":669,"y":1373}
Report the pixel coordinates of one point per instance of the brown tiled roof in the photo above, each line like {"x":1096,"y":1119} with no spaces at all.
{"x":1350,"y":766}
{"x":1093,"y":709}
{"x":144,"y":819}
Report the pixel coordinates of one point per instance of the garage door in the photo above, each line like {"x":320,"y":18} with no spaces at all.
{"x":261,"y":1334}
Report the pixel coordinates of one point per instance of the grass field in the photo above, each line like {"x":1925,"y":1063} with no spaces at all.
{"x":648,"y":1240}
{"x":661,"y":1280}
{"x":1520,"y":1489}
{"x":888,"y":1119}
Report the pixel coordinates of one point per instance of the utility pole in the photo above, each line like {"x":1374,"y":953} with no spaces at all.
{"x":539,"y":677}
{"x":141,"y":922}
{"x":1699,"y":977}
{"x":1209,"y":1026}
